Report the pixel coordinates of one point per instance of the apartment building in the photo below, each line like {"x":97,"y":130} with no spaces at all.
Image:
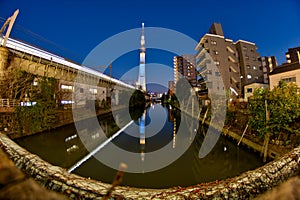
{"x":292,"y":55}
{"x":238,"y":63}
{"x":217,"y":56}
{"x":268,"y":64}
{"x":184,"y":66}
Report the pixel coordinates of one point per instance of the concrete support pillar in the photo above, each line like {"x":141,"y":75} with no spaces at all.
{"x":116,"y":92}
{"x":3,"y":61}
{"x":4,"y":52}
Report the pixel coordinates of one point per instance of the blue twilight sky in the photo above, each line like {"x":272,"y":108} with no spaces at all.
{"x":72,"y":28}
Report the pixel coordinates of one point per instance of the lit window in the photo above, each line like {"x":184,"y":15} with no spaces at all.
{"x":35,"y":83}
{"x":93,"y":90}
{"x":216,"y":52}
{"x":213,"y":42}
{"x":254,"y":67}
{"x":217,"y":63}
{"x":66,"y":101}
{"x":248,"y":67}
{"x":287,"y":56}
{"x":66,"y":87}
{"x":249,"y":76}
{"x":28,"y":103}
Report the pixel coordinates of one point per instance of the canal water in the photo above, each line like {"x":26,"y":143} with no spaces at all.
{"x":63,"y":147}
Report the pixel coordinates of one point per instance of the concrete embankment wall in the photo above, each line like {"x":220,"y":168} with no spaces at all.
{"x":245,"y":186}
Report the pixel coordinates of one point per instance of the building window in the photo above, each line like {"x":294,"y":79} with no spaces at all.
{"x":217,"y":73}
{"x":217,"y":63}
{"x":216,"y":52}
{"x":249,"y":76}
{"x":248,"y":67}
{"x":254,"y":59}
{"x":66,"y":101}
{"x":249,"y":90}
{"x":287,"y":56}
{"x":35,"y":83}
{"x":247,"y":57}
{"x":66,"y":87}
{"x":93,"y":90}
{"x":209,"y":85}
{"x":289,"y":80}
{"x":256,"y":77}
{"x":213,"y":42}
{"x":81,"y":90}
{"x":254,"y":67}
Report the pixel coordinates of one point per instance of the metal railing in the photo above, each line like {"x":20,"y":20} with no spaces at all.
{"x":9,"y":103}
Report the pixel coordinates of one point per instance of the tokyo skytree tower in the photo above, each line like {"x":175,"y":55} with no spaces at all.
{"x":142,"y":72}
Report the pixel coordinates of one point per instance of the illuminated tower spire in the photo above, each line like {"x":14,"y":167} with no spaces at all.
{"x":142,"y":73}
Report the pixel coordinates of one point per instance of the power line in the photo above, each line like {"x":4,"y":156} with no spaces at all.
{"x":20,"y":30}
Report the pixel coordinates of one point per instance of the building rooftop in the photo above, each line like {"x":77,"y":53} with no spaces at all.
{"x":286,"y":67}
{"x":244,"y":41}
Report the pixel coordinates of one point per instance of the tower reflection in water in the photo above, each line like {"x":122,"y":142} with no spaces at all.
{"x":142,"y":122}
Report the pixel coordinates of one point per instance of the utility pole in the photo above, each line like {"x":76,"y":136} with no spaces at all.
{"x":109,"y":89}
{"x":110,"y":69}
{"x":267,"y":136}
{"x":10,"y":22}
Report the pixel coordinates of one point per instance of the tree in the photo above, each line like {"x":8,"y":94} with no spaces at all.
{"x":283,"y":104}
{"x":17,"y":84}
{"x":41,"y":115}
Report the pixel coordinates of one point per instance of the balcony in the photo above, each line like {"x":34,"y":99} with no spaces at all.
{"x":201,"y":52}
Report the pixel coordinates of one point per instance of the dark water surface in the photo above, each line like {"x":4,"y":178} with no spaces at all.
{"x":64,"y":148}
